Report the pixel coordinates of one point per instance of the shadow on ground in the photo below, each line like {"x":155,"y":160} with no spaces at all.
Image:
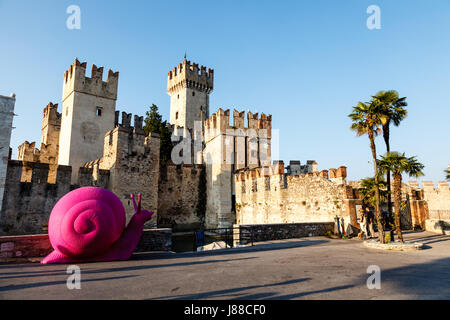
{"x":256,"y":248}
{"x":429,"y":280}
{"x":234,"y":293}
{"x":42,"y":273}
{"x":52,"y":283}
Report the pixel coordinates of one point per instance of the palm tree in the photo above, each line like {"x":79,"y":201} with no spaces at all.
{"x":398,"y":163}
{"x":367,"y":119}
{"x":393,"y":108}
{"x":448,"y":174}
{"x":367,"y":191}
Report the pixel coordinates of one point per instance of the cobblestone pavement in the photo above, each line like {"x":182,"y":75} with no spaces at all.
{"x":307,"y":268}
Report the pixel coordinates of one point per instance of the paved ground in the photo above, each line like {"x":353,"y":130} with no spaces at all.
{"x":310,"y":268}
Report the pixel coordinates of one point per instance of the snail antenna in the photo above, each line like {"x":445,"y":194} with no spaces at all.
{"x":139,"y":202}
{"x":134,"y":202}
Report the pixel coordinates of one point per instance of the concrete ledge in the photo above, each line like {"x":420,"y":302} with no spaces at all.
{"x":33,"y":247}
{"x":159,"y":239}
{"x":398,"y":246}
{"x":267,"y":232}
{"x":23,"y":247}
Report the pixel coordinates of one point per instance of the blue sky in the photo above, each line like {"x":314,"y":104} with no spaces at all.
{"x":305,"y":62}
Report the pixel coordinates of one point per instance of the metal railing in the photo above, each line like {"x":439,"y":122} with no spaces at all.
{"x":233,"y":236}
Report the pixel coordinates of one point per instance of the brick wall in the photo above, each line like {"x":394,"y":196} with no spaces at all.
{"x":25,"y":246}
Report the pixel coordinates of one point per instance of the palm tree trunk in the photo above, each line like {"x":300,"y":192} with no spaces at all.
{"x":377,"y":187}
{"x":388,"y":173}
{"x":397,"y":202}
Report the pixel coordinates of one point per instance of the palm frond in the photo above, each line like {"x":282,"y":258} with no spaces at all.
{"x":398,"y":163}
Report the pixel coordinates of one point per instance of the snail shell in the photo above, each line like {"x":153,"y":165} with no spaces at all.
{"x":86,"y":222}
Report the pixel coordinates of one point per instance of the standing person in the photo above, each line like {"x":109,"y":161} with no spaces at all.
{"x":363,"y":225}
{"x":370,"y":222}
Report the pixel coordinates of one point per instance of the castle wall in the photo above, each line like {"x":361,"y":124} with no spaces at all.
{"x":130,"y":164}
{"x":88,"y":112}
{"x":268,"y":196}
{"x":438,"y":199}
{"x":182,"y":197}
{"x":6,"y":120}
{"x":27,"y":205}
{"x":430,"y":206}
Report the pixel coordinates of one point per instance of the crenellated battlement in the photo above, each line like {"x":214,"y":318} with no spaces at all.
{"x":75,"y":79}
{"x":187,"y":75}
{"x":126,"y":121}
{"x":278,"y":170}
{"x":39,"y":173}
{"x":266,"y":171}
{"x":91,"y":175}
{"x":295,"y":167}
{"x":27,"y":151}
{"x":50,"y":115}
{"x":429,"y":186}
{"x":172,"y":170}
{"x":126,"y":141}
{"x":221,"y":120}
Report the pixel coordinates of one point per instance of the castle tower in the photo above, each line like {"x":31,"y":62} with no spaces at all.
{"x":6,"y":120}
{"x":88,"y":112}
{"x":229,"y":148}
{"x":51,"y":127}
{"x":189,"y":88}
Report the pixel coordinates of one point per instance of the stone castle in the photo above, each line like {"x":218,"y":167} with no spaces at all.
{"x":221,"y":172}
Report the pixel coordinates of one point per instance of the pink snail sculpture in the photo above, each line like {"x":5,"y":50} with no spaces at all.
{"x":88,"y":224}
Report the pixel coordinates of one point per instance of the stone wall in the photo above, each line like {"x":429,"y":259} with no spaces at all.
{"x":267,"y":195}
{"x":38,"y":245}
{"x":182,"y":197}
{"x":27,"y":205}
{"x":430,"y":206}
{"x":6,"y":120}
{"x":266,"y":232}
